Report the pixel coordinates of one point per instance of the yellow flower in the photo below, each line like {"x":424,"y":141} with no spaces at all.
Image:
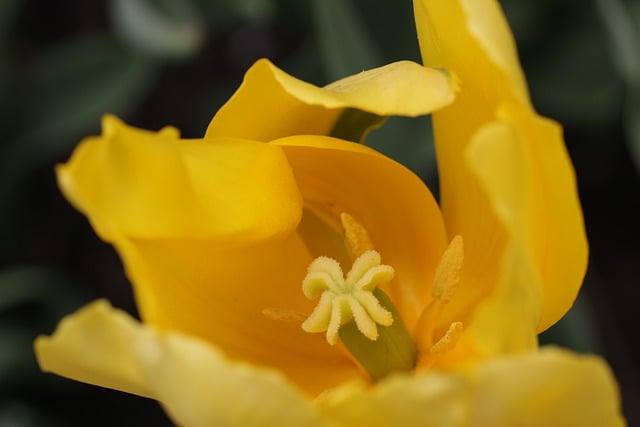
{"x":216,"y":236}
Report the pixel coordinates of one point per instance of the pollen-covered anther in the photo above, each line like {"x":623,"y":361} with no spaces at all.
{"x":343,"y":300}
{"x":449,"y":340}
{"x":447,"y":274}
{"x":446,"y":280}
{"x":356,"y":237}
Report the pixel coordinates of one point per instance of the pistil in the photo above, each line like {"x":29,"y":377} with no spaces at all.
{"x":343,"y":300}
{"x":356,"y":310}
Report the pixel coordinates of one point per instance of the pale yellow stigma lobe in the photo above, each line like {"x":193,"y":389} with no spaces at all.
{"x":343,"y":300}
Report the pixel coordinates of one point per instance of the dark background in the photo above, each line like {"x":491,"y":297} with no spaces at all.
{"x":64,"y":63}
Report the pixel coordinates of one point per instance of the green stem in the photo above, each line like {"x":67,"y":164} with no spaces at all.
{"x":393,"y":351}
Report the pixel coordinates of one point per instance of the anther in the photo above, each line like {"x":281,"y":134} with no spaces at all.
{"x":444,"y":285}
{"x":449,"y":340}
{"x":356,"y":236}
{"x":447,"y":275}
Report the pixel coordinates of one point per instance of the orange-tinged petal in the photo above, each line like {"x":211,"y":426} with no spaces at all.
{"x":241,"y":289}
{"x":552,"y":388}
{"x":206,"y":232}
{"x":271,"y":104}
{"x":247,"y":300}
{"x":195,"y":383}
{"x":471,"y":39}
{"x":394,"y":206}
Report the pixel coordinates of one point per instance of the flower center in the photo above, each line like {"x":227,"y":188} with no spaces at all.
{"x":354,"y":308}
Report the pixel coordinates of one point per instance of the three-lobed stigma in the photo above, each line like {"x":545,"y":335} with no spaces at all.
{"x":345,"y":299}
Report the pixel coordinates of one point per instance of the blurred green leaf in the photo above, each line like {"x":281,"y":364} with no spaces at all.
{"x":256,"y":11}
{"x":623,"y":37}
{"x":222,"y":15}
{"x":354,"y":125}
{"x":345,"y":45}
{"x":526,"y":19}
{"x":16,"y":355}
{"x":67,"y":92}
{"x":632,"y":122}
{"x":30,"y":285}
{"x":390,"y":27}
{"x":410,"y":142}
{"x":623,"y":30}
{"x":577,"y":330}
{"x":8,"y":11}
{"x":162,"y":28}
{"x":77,"y":83}
{"x":32,"y":301}
{"x":17,"y":414}
{"x":634,"y":8}
{"x":219,"y":15}
{"x":574,"y":81}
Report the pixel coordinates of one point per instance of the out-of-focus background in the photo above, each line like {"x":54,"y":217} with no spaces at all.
{"x":64,"y":63}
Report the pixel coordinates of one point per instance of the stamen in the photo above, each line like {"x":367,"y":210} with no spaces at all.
{"x":283,"y":315}
{"x":345,"y":300}
{"x":356,"y":236}
{"x":447,"y":275}
{"x":449,"y":340}
{"x":445,"y":283}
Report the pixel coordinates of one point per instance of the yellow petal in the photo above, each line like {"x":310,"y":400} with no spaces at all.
{"x":552,"y":388}
{"x":533,"y":194}
{"x":94,"y":346}
{"x":402,"y":88}
{"x":196,"y":384}
{"x":400,"y":400}
{"x":478,"y":179}
{"x":507,"y":320}
{"x":206,"y":232}
{"x":394,"y":206}
{"x":472,"y":39}
{"x":144,"y":184}
{"x":222,"y":292}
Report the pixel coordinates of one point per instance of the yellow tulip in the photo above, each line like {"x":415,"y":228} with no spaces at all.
{"x":225,"y":237}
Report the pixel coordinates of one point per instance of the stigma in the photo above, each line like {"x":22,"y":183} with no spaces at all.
{"x":347,"y":299}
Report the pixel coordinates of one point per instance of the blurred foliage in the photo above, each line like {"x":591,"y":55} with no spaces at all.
{"x":65,"y":63}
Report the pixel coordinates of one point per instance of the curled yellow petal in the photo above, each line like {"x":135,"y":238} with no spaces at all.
{"x":95,"y":346}
{"x":145,"y":184}
{"x":196,"y":384}
{"x":207,"y":234}
{"x":401,"y":88}
{"x":513,"y":198}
